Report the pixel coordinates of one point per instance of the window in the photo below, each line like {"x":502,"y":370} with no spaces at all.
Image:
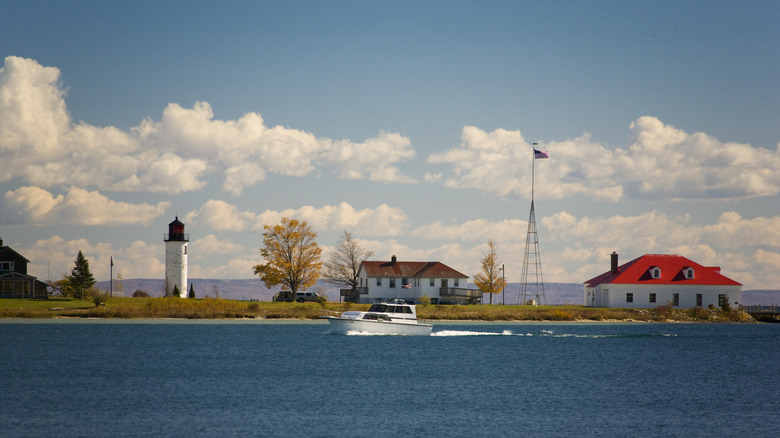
{"x":432,"y":282}
{"x":629,"y":297}
{"x":379,"y":281}
{"x":655,"y":273}
{"x":721,"y":300}
{"x":689,"y":273}
{"x":698,"y":300}
{"x":392,"y":283}
{"x":676,"y":299}
{"x":455,"y":283}
{"x":652,"y":297}
{"x":6,"y":266}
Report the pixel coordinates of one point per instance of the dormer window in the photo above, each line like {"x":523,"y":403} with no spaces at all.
{"x":655,"y":272}
{"x":688,"y":272}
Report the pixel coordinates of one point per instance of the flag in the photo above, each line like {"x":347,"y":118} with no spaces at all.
{"x":541,"y":154}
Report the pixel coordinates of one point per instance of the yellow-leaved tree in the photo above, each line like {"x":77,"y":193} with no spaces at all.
{"x":491,"y":279}
{"x":291,"y":254}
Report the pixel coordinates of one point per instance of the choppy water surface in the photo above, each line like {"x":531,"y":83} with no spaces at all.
{"x":183,"y":378}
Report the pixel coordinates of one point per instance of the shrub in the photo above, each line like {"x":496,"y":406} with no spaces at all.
{"x":98,"y":297}
{"x":140,"y":294}
{"x":699,"y":313}
{"x":725,"y":305}
{"x":664,"y":312}
{"x":424,"y":301}
{"x":560,"y":315}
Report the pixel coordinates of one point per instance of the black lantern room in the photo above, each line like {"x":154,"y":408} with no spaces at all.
{"x":176,"y":232}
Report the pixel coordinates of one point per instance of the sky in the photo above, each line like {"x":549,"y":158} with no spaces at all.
{"x":409,"y":124}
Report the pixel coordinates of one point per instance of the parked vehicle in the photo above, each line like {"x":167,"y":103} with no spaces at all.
{"x":284,"y":296}
{"x":301,"y":297}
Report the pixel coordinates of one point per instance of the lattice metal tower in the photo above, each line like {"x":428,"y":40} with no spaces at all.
{"x":532,"y":259}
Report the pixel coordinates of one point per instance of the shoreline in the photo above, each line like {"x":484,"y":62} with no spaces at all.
{"x":213,"y":308}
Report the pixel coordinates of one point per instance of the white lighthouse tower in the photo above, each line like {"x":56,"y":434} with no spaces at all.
{"x":176,"y":258}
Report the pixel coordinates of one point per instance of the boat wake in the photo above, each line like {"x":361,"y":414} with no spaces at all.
{"x":547,"y":333}
{"x":471,"y":333}
{"x":541,"y":333}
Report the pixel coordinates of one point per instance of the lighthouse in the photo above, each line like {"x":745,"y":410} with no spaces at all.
{"x":176,"y":258}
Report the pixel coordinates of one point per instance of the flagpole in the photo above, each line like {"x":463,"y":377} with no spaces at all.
{"x":533,"y":167}
{"x":111,"y":282}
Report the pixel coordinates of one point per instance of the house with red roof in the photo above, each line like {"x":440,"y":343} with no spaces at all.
{"x":657,"y":279}
{"x":385,"y":280}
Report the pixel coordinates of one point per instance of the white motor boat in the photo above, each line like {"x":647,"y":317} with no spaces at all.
{"x":392,"y":318}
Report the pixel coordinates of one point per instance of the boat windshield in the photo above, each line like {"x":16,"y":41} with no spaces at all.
{"x":384,"y":308}
{"x":378,"y":308}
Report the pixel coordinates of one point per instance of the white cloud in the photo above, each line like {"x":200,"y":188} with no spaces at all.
{"x":37,"y":206}
{"x":40,"y":145}
{"x":32,"y":109}
{"x":478,"y":230}
{"x":662,"y":162}
{"x":380,"y":221}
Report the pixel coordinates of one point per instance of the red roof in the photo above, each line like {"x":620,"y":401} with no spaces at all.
{"x":672,"y":268}
{"x":409,"y":269}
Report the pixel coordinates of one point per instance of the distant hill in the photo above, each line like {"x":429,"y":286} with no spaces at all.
{"x":253,"y":289}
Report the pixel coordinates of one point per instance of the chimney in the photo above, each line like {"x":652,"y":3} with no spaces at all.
{"x":392,"y":260}
{"x":614,"y":262}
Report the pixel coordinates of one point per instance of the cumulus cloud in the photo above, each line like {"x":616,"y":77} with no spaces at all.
{"x":661,"y":162}
{"x":380,"y":221}
{"x":40,"y":145}
{"x":477,"y":230}
{"x":37,"y":206}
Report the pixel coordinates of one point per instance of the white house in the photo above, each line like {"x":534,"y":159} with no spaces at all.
{"x":383,"y":280}
{"x":657,"y":279}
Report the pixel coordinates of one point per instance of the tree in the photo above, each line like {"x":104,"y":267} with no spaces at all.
{"x":80,"y":279}
{"x":342,"y":266}
{"x":488,"y":281}
{"x":192,"y":292}
{"x":292,"y":256}
{"x":62,"y":287}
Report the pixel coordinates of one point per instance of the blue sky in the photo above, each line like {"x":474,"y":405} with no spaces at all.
{"x":408,"y":124}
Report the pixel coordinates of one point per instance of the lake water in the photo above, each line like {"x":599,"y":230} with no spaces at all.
{"x":251,"y":378}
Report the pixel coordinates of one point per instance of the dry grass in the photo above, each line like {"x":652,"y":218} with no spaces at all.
{"x":210,"y":308}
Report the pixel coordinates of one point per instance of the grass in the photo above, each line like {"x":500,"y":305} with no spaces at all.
{"x":210,"y":308}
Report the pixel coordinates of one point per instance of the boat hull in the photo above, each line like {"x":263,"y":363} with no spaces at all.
{"x":343,"y":326}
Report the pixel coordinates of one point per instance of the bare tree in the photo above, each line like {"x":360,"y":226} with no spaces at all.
{"x":343,"y":265}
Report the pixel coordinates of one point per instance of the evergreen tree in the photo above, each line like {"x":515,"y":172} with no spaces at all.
{"x":192,"y":292}
{"x":80,"y":279}
{"x":176,"y":292}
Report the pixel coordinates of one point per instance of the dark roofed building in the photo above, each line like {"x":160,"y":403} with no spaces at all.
{"x":383,"y":280}
{"x":14,"y":281}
